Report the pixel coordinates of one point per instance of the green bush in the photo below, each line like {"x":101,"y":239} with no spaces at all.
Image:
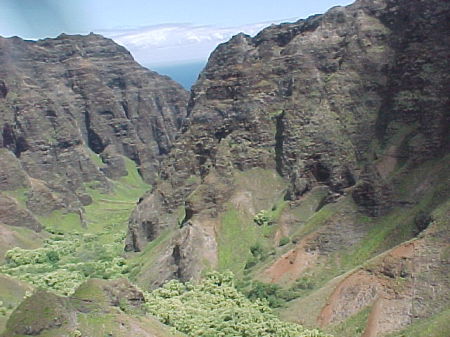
{"x":257,"y":250}
{"x":272,"y":293}
{"x":251,"y":262}
{"x":284,"y":241}
{"x":258,"y":254}
{"x":52,"y":256}
{"x":262,"y":218}
{"x":215,"y":308}
{"x":303,"y":283}
{"x":64,"y":262}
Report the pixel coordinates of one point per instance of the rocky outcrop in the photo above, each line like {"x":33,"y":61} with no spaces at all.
{"x":372,"y":193}
{"x":13,"y":214}
{"x":321,"y":101}
{"x":68,"y":100}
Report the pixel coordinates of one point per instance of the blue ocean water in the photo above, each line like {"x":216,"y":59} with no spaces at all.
{"x":186,"y":73}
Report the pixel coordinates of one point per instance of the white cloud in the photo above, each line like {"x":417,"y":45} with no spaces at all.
{"x":177,"y":43}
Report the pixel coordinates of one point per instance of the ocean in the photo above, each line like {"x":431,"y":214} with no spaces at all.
{"x":186,"y":73}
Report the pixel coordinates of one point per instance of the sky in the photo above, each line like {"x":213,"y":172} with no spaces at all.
{"x":156,"y":32}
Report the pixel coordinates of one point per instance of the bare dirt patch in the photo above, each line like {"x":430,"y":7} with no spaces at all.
{"x":292,"y":264}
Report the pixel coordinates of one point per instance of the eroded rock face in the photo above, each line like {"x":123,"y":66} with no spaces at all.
{"x":65,"y":100}
{"x":12,"y":176}
{"x":320,"y":101}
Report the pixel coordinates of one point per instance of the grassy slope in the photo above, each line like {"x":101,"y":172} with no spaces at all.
{"x":141,"y":263}
{"x":237,"y":231}
{"x":382,"y":234}
{"x":106,"y":210}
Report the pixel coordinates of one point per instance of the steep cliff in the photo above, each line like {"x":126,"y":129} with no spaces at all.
{"x":71,"y":109}
{"x":331,"y":133}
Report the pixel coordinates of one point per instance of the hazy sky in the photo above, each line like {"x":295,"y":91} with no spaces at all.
{"x":155,"y":31}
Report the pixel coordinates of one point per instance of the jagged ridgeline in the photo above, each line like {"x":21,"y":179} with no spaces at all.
{"x":311,"y":161}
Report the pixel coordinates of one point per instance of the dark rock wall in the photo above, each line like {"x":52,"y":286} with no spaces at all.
{"x":321,"y":101}
{"x":62,"y":98}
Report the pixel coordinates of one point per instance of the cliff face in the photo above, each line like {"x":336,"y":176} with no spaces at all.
{"x":337,"y":100}
{"x":322,"y":129}
{"x":70,"y":109}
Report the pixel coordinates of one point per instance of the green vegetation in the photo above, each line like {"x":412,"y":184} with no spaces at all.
{"x":65,"y":261}
{"x":82,"y":246}
{"x":269,"y":217}
{"x":284,"y":241}
{"x":303,"y":283}
{"x":234,"y":257}
{"x":262,"y":218}
{"x":353,"y":326}
{"x":61,"y":222}
{"x":91,"y":311}
{"x":48,"y":310}
{"x":273,"y":294}
{"x":213,"y":307}
{"x":95,"y":157}
{"x":12,"y":292}
{"x":21,"y":237}
{"x":316,"y":220}
{"x":258,"y":253}
{"x":238,"y":233}
{"x":140,"y":265}
{"x":21,"y":195}
{"x":241,"y":229}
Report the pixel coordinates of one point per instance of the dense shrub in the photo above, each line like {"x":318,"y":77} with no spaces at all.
{"x":272,"y":293}
{"x":262,"y":218}
{"x":65,"y":261}
{"x":214,"y":307}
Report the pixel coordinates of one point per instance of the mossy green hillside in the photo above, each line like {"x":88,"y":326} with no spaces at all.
{"x":41,"y":311}
{"x":89,"y":312}
{"x":12,"y":292}
{"x":263,"y":192}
